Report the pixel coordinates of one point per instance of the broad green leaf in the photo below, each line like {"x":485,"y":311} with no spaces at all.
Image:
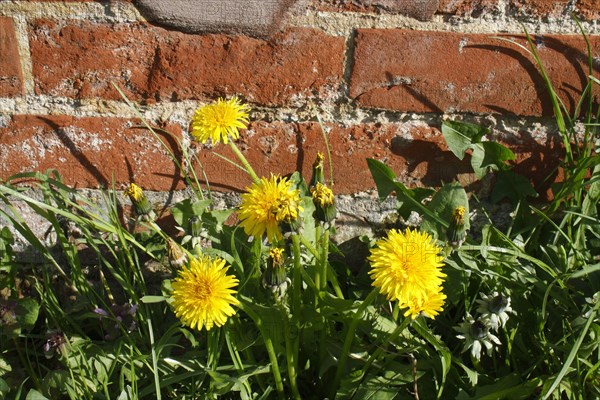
{"x":27,"y":313}
{"x":460,"y":136}
{"x":35,"y":395}
{"x":509,"y":387}
{"x":443,"y":204}
{"x":514,"y":186}
{"x":4,"y":388}
{"x":489,"y":156}
{"x":384,"y":178}
{"x":187,"y":208}
{"x":408,"y":200}
{"x":153,"y":299}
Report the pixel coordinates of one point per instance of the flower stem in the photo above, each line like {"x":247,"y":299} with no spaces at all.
{"x":324,"y":257}
{"x":244,"y":162}
{"x":350,"y":337}
{"x":268,"y":346}
{"x":296,"y":304}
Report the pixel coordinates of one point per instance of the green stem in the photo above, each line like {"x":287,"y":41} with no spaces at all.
{"x":154,"y":360}
{"x":399,"y":329}
{"x":350,"y":337}
{"x":324,"y":258}
{"x":296,"y":304}
{"x":268,"y":346}
{"x":291,"y":359}
{"x":244,"y":162}
{"x":318,"y":272}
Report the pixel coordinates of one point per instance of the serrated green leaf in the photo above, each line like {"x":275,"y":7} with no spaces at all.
{"x":460,"y":136}
{"x":514,"y":186}
{"x":384,"y":178}
{"x":490,"y":156}
{"x":443,"y":204}
{"x":187,"y":208}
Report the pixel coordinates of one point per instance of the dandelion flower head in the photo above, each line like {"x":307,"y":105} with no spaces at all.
{"x":134,"y":192}
{"x":407,"y":267}
{"x":322,"y":195}
{"x":266,"y":204}
{"x":430,"y":306}
{"x":458,"y":215}
{"x":219,"y":120}
{"x":203,"y":293}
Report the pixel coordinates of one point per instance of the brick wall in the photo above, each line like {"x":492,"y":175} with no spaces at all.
{"x":382,"y":81}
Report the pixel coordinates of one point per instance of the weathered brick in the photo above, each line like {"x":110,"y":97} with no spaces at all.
{"x":588,"y":9}
{"x":452,"y":72}
{"x":422,"y":10}
{"x":82,"y":59}
{"x":467,"y":7}
{"x":11,"y":78}
{"x":87,"y":152}
{"x":415,"y":151}
{"x":540,"y":7}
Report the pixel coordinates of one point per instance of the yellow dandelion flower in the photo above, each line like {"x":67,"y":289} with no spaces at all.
{"x":406,"y":266}
{"x":203,"y":293}
{"x":276,"y":255}
{"x":219,"y":120}
{"x":458,"y":215}
{"x":267,"y":204}
{"x":430,"y":306}
{"x":135,"y":193}
{"x":322,"y":195}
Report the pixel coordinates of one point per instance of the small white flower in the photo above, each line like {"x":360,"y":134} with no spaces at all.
{"x":476,"y":335}
{"x":494,"y":309}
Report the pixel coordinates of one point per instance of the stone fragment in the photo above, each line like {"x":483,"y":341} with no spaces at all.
{"x":257,"y":18}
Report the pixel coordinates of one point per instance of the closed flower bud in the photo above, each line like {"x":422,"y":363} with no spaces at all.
{"x":275,"y":277}
{"x":139,"y":201}
{"x":176,"y":255}
{"x":325,"y":210}
{"x":317,"y":172}
{"x":195,"y":226}
{"x":456,"y":233}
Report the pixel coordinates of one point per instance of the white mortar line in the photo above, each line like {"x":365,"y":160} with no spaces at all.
{"x":341,"y":24}
{"x":24,"y":54}
{"x":93,"y":11}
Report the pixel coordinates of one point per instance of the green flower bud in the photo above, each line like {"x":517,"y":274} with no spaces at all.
{"x":317,"y":173}
{"x":139,"y":201}
{"x":456,"y":233}
{"x":325,"y":210}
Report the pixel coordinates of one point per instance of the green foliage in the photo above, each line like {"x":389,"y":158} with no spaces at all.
{"x":93,"y":319}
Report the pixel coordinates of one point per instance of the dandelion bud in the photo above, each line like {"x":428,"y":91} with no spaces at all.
{"x":195,"y":226}
{"x":275,"y":276}
{"x":456,"y":232}
{"x":176,"y":255}
{"x":139,"y":201}
{"x":317,"y":172}
{"x":324,"y":200}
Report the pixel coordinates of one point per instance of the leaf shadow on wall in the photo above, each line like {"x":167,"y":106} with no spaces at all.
{"x":428,"y":163}
{"x":565,"y":90}
{"x":85,"y":162}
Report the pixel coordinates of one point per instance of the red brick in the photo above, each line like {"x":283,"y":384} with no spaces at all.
{"x":540,"y":7}
{"x":11,"y":79}
{"x":87,"y":152}
{"x":467,"y":7}
{"x":417,"y":153}
{"x":443,"y":72}
{"x":588,"y":9}
{"x":82,"y":59}
{"x":422,"y":10}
